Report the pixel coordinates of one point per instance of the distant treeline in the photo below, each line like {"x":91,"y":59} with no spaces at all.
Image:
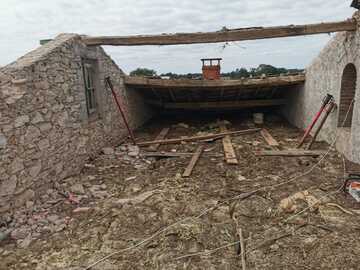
{"x":236,"y":74}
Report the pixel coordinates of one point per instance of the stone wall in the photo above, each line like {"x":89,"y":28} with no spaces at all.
{"x":324,"y":76}
{"x":46,"y":133}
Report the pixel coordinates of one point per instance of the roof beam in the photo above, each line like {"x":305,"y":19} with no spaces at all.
{"x":239,"y":34}
{"x":214,"y":84}
{"x":241,"y":104}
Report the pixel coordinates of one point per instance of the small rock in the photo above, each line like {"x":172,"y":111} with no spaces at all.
{"x":29,"y":204}
{"x":81,"y":210}
{"x":108,"y":151}
{"x":77,"y":189}
{"x":53,"y":218}
{"x":130,"y":178}
{"x":4,"y":235}
{"x":26,"y":242}
{"x":241,"y":178}
{"x":3,"y":141}
{"x":183,"y":125}
{"x":134,"y":150}
{"x":20,"y":233}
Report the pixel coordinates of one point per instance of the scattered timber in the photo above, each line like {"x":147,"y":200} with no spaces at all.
{"x":229,"y":151}
{"x":225,"y":35}
{"x":268,"y":138}
{"x":290,"y":153}
{"x":193,"y":161}
{"x":242,"y":246}
{"x":200,"y":138}
{"x":214,"y":84}
{"x":166,"y":154}
{"x":243,"y":104}
{"x":162,"y":135}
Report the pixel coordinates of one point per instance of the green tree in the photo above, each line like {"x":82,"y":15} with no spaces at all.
{"x":143,"y":72}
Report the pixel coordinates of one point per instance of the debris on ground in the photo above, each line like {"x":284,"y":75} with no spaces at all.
{"x":140,"y":207}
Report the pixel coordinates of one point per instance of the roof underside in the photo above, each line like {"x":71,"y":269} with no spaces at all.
{"x":219,"y":94}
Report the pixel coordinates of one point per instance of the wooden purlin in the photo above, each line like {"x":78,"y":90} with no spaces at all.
{"x":227,"y":35}
{"x":242,"y":104}
{"x":153,"y":84}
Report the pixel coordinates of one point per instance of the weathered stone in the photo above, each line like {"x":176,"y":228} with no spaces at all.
{"x":45,"y":127}
{"x":17,"y":165}
{"x":38,"y":118}
{"x":20,"y":233}
{"x":21,"y":120}
{"x":24,"y":197}
{"x":3,"y":141}
{"x":8,"y":186}
{"x":81,"y":210}
{"x":78,"y":189}
{"x":32,"y":133}
{"x":108,"y":151}
{"x":43,"y":144}
{"x":35,"y":170}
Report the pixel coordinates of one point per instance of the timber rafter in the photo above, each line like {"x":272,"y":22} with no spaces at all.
{"x":226,"y":35}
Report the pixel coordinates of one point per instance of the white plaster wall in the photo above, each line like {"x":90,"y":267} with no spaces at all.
{"x":324,"y":76}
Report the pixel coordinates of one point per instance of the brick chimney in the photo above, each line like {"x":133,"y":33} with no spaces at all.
{"x":211,"y":68}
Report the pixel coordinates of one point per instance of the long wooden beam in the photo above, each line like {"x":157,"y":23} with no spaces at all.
{"x":241,"y":104}
{"x":215,"y":84}
{"x":239,"y":34}
{"x":200,"y":138}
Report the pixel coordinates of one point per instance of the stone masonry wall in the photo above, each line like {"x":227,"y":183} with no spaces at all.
{"x":45,"y":132}
{"x":324,"y":76}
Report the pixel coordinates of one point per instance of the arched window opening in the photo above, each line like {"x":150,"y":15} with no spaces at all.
{"x":347,"y":94}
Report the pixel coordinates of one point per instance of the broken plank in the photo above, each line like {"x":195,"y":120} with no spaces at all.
{"x":160,"y":136}
{"x":166,"y":154}
{"x":268,"y":138}
{"x":290,"y":153}
{"x":199,"y":138}
{"x":193,"y":161}
{"x":229,"y":151}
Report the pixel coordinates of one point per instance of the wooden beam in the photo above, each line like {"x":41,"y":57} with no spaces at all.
{"x":165,"y":154}
{"x":193,"y":161}
{"x":290,"y":153}
{"x":229,"y":151}
{"x":241,"y":104}
{"x":159,"y":137}
{"x":215,"y":84}
{"x":268,"y":138}
{"x":200,"y":138}
{"x":239,"y":34}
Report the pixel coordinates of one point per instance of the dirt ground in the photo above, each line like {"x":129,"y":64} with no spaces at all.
{"x":153,"y":218}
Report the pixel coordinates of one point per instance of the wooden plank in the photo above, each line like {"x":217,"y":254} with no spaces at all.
{"x":226,"y":35}
{"x":199,"y":138}
{"x":243,"y":104}
{"x":193,"y":161}
{"x":165,"y":154}
{"x":268,"y":138}
{"x":290,"y":153}
{"x":214,"y":84}
{"x":160,"y":136}
{"x":229,"y":151}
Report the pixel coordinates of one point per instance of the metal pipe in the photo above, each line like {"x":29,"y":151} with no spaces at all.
{"x":328,"y":111}
{"x":326,"y":100}
{"x":109,"y":83}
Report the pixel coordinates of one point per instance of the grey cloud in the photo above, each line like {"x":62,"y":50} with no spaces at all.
{"x":23,"y":23}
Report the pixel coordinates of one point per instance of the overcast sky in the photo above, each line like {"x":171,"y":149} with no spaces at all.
{"x":24,"y":22}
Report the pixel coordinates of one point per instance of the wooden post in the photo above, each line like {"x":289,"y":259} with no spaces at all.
{"x":193,"y":161}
